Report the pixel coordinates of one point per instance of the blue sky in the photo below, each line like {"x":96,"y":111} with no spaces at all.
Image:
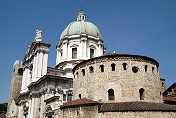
{"x":142,"y":27}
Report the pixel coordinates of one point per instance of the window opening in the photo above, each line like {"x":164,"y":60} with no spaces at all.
{"x":91,"y":69}
{"x":77,"y":113}
{"x":141,"y":93}
{"x":64,"y":97}
{"x":74,"y":53}
{"x":111,"y":94}
{"x":102,"y":68}
{"x":69,"y":97}
{"x":83,"y":72}
{"x":146,"y":68}
{"x":79,"y":96}
{"x":20,"y":71}
{"x":91,"y":53}
{"x":124,"y":66}
{"x":113,"y":67}
{"x":135,"y":69}
{"x":153,"y":68}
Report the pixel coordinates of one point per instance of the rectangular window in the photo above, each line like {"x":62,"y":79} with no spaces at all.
{"x":74,"y":53}
{"x":64,"y":97}
{"x":69,"y":97}
{"x":91,"y":53}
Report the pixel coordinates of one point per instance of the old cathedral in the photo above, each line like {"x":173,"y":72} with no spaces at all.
{"x":85,"y":82}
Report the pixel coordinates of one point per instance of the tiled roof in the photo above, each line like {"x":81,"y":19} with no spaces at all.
{"x":136,"y":106}
{"x":172,"y":99}
{"x":80,"y":102}
{"x":168,"y":89}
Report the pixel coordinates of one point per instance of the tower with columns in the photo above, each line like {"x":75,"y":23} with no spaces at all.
{"x":35,"y":61}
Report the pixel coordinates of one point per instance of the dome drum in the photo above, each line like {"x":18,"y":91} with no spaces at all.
{"x":118,"y":78}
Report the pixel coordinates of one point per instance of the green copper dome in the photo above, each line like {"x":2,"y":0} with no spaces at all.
{"x":81,"y":26}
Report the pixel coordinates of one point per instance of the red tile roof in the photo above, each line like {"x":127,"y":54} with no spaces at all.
{"x":173,"y":99}
{"x":80,"y":102}
{"x":136,"y":106}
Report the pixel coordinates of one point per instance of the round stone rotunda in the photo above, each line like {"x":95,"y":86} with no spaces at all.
{"x":114,"y":85}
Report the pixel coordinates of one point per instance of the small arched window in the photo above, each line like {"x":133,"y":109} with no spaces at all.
{"x":153,"y":69}
{"x":102,"y":68}
{"x":124,"y":66}
{"x":83,"y":72}
{"x":91,"y":69}
{"x":79,"y":96}
{"x":113,"y":67}
{"x":146,"y":68}
{"x":111,"y":94}
{"x":141,"y":94}
{"x":20,"y":71}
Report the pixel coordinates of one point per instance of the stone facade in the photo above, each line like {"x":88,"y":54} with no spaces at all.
{"x":81,"y":112}
{"x":17,"y":74}
{"x":125,"y":83}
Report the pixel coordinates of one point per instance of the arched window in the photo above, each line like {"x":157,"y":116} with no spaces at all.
{"x":146,"y":68}
{"x":79,"y":96}
{"x":102,"y":68}
{"x":124,"y":66}
{"x":113,"y":67}
{"x":111,"y":94}
{"x":153,"y":69}
{"x":141,"y":94}
{"x":83,"y":72}
{"x":91,"y":69}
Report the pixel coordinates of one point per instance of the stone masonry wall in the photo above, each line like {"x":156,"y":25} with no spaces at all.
{"x":125,"y":83}
{"x":14,"y":89}
{"x":81,"y":112}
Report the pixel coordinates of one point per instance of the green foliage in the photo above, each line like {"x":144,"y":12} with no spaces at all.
{"x":3,"y":107}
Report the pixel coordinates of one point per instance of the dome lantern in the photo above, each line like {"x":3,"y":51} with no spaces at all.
{"x":81,"y":16}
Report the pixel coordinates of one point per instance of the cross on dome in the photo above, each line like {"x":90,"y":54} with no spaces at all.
{"x":81,"y":16}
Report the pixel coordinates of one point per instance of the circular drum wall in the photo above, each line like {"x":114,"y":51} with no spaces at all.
{"x":118,"y":78}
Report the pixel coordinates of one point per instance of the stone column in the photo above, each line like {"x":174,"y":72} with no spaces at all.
{"x":34,"y":68}
{"x":45,"y":60}
{"x":100,"y":50}
{"x":20,"y":115}
{"x":65,"y":50}
{"x":42,"y":106}
{"x":84,"y":48}
{"x":39,"y":70}
{"x":29,"y":111}
{"x":32,"y":108}
{"x":28,"y":77}
{"x":23,"y":80}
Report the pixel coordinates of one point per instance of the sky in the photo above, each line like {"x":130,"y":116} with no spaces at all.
{"x":139,"y":27}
